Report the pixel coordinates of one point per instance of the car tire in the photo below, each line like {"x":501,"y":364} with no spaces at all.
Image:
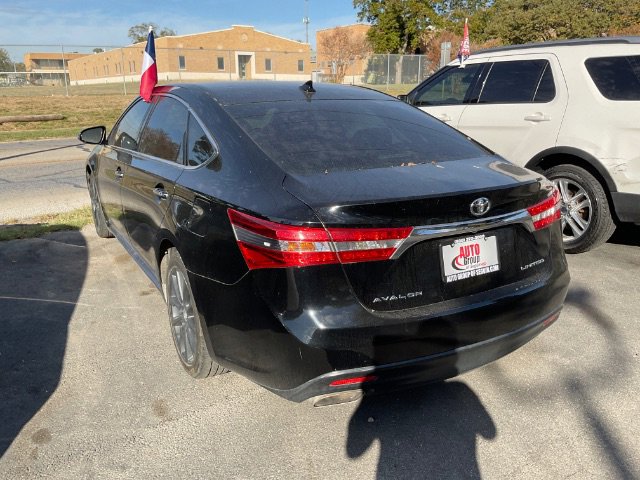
{"x":99,"y":221}
{"x":586,"y":215}
{"x":184,"y":320}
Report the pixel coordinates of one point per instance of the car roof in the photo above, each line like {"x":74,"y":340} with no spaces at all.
{"x":565,"y":43}
{"x":243,"y":92}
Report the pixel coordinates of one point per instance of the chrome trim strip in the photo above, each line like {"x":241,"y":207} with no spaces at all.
{"x":429,"y":232}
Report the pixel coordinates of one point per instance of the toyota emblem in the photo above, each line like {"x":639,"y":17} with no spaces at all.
{"x":480,"y":206}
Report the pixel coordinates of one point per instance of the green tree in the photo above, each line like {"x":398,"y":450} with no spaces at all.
{"x":138,"y":33}
{"x":397,"y":26}
{"x":6,"y":64}
{"x":454,"y":12}
{"x":522,"y":21}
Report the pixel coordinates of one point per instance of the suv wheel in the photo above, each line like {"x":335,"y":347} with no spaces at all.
{"x":586,"y":216}
{"x":184,"y":320}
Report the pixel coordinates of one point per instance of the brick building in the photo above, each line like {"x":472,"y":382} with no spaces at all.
{"x":239,"y":52}
{"x":354,"y":72}
{"x":48,"y":68}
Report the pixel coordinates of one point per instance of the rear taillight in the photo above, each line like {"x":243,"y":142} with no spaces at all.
{"x":266,"y":244}
{"x":546,"y":212}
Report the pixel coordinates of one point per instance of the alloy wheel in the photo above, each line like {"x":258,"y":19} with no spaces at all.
{"x":577,"y":210}
{"x":183,"y":320}
{"x":94,"y":198}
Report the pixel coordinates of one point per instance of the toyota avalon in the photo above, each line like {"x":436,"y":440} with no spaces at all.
{"x":325,"y":241}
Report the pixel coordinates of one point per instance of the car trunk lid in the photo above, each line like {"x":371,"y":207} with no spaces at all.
{"x":451,"y":252}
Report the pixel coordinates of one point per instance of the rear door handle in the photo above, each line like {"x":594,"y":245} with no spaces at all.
{"x":161,"y":193}
{"x":537,"y":117}
{"x":443,"y":117}
{"x":119,"y":174}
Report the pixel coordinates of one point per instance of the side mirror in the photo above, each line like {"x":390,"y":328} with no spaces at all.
{"x":404,"y":98}
{"x":93,"y":135}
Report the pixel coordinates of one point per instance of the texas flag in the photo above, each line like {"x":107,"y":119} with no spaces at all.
{"x":465,"y":51}
{"x":149,"y":70}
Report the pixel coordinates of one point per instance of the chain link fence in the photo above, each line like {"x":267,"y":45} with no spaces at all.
{"x":90,"y":70}
{"x":396,"y":72}
{"x":96,"y":70}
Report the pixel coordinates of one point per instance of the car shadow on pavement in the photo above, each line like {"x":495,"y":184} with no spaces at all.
{"x":40,"y":283}
{"x":626,"y":234}
{"x":427,"y":432}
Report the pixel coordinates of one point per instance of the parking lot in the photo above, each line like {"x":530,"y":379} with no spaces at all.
{"x":90,"y":387}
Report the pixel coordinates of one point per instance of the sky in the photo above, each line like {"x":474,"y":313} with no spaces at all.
{"x":105,"y":23}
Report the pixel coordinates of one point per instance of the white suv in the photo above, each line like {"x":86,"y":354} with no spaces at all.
{"x":569,"y":109}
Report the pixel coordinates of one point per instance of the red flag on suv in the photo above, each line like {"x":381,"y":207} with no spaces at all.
{"x":465,"y":51}
{"x":149,"y":70}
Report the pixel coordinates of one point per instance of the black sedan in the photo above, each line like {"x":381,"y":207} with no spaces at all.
{"x":326,"y":241}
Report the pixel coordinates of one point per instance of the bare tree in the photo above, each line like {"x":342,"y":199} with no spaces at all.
{"x":342,"y":47}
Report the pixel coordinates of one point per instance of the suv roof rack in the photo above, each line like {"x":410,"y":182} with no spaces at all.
{"x":564,"y":43}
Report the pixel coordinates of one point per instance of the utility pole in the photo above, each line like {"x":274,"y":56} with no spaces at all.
{"x":306,"y":20}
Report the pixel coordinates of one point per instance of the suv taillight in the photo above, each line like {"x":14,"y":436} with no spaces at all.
{"x":266,"y":244}
{"x":546,"y":212}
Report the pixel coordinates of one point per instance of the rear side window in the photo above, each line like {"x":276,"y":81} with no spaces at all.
{"x":322,"y":136}
{"x":617,"y":78}
{"x":163,"y":137}
{"x":448,"y":88}
{"x":518,"y":82}
{"x":199,"y":148}
{"x":126,"y":134}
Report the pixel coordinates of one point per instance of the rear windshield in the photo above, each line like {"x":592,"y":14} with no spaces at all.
{"x":617,"y":78}
{"x":316,"y":136}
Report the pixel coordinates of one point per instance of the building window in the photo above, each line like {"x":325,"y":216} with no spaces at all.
{"x":301,"y":65}
{"x":182,"y":63}
{"x":220,"y":63}
{"x":132,"y":66}
{"x":267,"y":64}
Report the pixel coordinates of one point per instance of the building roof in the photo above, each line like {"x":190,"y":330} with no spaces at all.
{"x":53,"y":55}
{"x":352,"y":25}
{"x":233,"y":27}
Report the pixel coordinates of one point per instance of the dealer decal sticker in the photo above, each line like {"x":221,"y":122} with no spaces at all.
{"x":470,"y":257}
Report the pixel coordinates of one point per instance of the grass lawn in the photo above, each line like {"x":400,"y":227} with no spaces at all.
{"x":86,"y":106}
{"x":393,"y":89}
{"x":79,"y":112}
{"x":36,"y":227}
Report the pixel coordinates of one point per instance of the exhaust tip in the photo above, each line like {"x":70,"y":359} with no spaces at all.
{"x":337,"y":398}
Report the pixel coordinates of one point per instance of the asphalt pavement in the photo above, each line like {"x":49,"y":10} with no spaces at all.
{"x":42,"y":176}
{"x":90,"y":387}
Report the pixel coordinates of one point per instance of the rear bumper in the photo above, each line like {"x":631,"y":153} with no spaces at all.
{"x":422,"y":370}
{"x":627,"y":206}
{"x":298,"y":358}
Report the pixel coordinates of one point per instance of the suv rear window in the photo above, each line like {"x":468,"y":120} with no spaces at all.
{"x":308,"y":137}
{"x":617,"y":78}
{"x":521,"y":81}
